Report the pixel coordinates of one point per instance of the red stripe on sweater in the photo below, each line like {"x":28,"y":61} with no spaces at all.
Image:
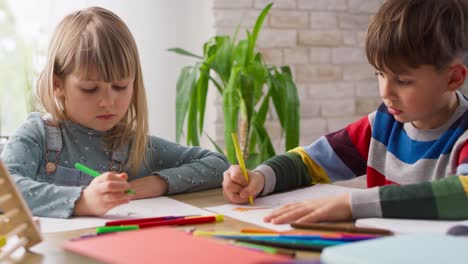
{"x":463,"y":154}
{"x":375,"y":178}
{"x":360,"y":134}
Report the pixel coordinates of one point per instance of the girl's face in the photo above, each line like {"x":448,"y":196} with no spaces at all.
{"x":94,"y":103}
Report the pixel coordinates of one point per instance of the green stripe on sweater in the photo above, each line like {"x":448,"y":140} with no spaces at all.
{"x":451,"y":199}
{"x":408,"y":201}
{"x":290,"y":171}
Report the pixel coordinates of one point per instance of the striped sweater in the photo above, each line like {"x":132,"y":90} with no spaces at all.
{"x":411,"y":173}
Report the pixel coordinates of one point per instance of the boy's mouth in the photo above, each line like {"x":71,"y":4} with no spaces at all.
{"x":393,"y":111}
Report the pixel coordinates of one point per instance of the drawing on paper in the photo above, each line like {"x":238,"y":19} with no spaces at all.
{"x":246,"y":209}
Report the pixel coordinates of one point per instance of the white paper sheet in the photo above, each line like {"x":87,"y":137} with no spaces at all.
{"x":154,"y":207}
{"x":264,"y":205}
{"x":410,"y":226}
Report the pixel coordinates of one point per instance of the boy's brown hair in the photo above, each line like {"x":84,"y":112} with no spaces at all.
{"x":410,"y":33}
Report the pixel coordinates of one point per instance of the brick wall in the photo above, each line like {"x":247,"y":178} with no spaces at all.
{"x":323,"y":42}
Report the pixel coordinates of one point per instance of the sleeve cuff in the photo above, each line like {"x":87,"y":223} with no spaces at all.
{"x":75,"y":195}
{"x":62,"y":205}
{"x":171,"y":182}
{"x":366,"y":203}
{"x":270,"y":179}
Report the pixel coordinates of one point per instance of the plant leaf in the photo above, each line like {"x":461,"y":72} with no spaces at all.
{"x":192,"y":132}
{"x":276,"y":82}
{"x":256,"y":30}
{"x":184,"y":52}
{"x":218,"y":148}
{"x":239,"y":73}
{"x":185,"y":86}
{"x":202,"y":90}
{"x":266,"y":148}
{"x":240,"y":53}
{"x":231,"y":110}
{"x":184,"y":89}
{"x":217,"y":85}
{"x":253,"y":160}
{"x":223,"y":57}
{"x":292,"y":111}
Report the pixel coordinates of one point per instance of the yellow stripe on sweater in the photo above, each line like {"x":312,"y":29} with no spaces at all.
{"x":316,"y":172}
{"x":464,"y":181}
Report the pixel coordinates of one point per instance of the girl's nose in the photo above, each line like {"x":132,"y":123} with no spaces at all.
{"x":106,"y":97}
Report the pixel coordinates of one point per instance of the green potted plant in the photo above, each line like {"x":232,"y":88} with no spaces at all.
{"x":247,"y":86}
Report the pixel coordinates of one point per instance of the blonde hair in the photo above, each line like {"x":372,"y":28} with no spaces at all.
{"x":96,"y":38}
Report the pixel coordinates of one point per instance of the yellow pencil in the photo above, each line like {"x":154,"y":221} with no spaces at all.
{"x":240,"y":158}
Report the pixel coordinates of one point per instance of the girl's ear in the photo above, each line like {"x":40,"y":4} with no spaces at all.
{"x":58,"y":86}
{"x":457,"y":76}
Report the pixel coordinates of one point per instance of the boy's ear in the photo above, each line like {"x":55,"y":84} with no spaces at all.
{"x":58,"y":86}
{"x":457,"y":76}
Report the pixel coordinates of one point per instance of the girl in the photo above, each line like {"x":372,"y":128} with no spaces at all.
{"x":93,"y":95}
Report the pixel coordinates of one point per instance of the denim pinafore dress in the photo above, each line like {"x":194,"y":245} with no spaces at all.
{"x":66,"y":176}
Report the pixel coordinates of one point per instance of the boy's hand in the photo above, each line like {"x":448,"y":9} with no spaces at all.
{"x":149,"y":186}
{"x":336,"y":208}
{"x":102,"y":194}
{"x":235,"y":187}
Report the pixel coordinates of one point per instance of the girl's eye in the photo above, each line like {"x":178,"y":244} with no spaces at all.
{"x":119,"y":88}
{"x":89,"y":90}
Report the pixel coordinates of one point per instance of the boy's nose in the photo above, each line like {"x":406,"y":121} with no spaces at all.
{"x":386,"y":89}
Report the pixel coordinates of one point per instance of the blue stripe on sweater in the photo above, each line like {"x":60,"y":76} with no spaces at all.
{"x":322,"y":153}
{"x":390,"y":132}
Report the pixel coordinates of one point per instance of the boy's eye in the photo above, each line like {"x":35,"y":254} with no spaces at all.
{"x":377,"y":73}
{"x":403,"y":83}
{"x":89,"y":90}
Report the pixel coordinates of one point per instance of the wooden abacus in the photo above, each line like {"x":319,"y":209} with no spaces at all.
{"x":16,"y":220}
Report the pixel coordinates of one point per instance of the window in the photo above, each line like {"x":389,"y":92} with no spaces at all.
{"x":26,"y":26}
{"x":22,"y":55}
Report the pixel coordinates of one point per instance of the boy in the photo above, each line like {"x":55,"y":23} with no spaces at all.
{"x":412,"y":148}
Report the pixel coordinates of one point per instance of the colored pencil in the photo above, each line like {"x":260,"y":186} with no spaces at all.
{"x":331,"y":227}
{"x":290,"y":237}
{"x":143,"y":220}
{"x":240,"y":158}
{"x":253,"y":230}
{"x":94,"y":174}
{"x":267,"y":249}
{"x":313,"y":245}
{"x":184,"y":221}
{"x":111,"y":229}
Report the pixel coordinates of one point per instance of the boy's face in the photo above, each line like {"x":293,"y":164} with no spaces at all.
{"x":94,"y":103}
{"x":423,"y":96}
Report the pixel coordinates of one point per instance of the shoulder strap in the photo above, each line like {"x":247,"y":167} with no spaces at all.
{"x":53,"y":133}
{"x":54,"y":147}
{"x":53,"y":143}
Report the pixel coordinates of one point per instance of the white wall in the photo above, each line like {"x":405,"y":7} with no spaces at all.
{"x":156,"y":26}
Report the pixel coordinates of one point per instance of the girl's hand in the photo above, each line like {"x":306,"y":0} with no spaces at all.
{"x":102,"y":194}
{"x":336,"y":208}
{"x":149,"y":186}
{"x":235,"y":187}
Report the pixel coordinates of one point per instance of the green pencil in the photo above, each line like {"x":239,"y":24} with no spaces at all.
{"x":110,"y":229}
{"x":94,"y":174}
